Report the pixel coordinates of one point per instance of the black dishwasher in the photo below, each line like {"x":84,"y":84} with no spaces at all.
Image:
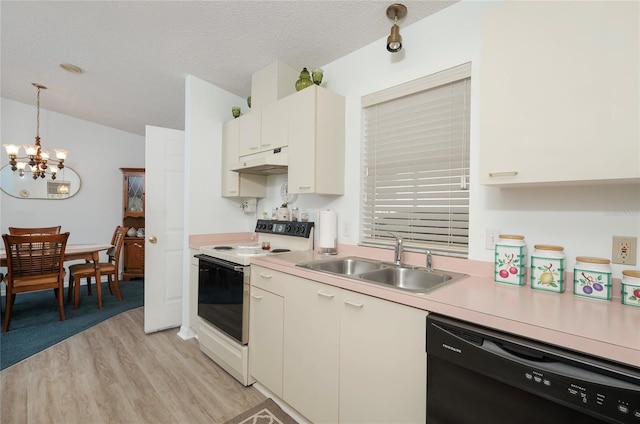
{"x":480,"y":375}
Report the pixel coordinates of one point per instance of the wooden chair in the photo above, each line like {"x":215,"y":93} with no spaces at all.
{"x":34,"y":262}
{"x":88,"y":270}
{"x":36,"y":231}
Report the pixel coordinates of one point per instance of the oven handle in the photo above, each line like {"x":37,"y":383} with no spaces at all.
{"x":216,"y":261}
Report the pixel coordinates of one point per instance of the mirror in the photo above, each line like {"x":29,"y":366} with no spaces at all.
{"x":66,"y":184}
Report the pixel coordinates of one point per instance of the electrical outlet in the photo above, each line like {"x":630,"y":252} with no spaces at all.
{"x":346,"y":229}
{"x":624,"y":250}
{"x":490,"y":239}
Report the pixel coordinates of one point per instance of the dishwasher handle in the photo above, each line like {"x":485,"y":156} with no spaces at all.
{"x":539,"y":361}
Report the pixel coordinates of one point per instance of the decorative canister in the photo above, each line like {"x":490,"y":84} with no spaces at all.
{"x":510,"y":264}
{"x":631,"y":287}
{"x":294,"y":214}
{"x":283,"y":213}
{"x":274,"y":214}
{"x":592,"y":278}
{"x":547,"y":268}
{"x":304,"y":81}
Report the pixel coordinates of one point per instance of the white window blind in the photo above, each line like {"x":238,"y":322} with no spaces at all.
{"x":416,"y":163}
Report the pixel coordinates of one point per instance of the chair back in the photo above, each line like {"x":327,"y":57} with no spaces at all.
{"x":117,"y":241}
{"x":35,"y":255}
{"x":36,"y":231}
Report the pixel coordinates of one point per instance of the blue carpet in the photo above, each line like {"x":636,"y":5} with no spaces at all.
{"x":35,"y":324}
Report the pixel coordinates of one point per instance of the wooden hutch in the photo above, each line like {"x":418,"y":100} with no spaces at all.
{"x":133,"y":216}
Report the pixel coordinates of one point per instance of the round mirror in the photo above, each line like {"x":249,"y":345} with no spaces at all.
{"x":66,"y":184}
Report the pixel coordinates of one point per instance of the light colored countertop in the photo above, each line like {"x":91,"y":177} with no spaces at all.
{"x":605,"y":329}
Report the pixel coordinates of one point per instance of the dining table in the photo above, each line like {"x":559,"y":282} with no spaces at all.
{"x":75,"y":252}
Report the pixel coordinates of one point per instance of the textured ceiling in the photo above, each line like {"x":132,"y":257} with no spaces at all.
{"x":135,"y":55}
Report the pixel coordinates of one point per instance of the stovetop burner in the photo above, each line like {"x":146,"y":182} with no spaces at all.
{"x":280,"y":250}
{"x":223,"y":248}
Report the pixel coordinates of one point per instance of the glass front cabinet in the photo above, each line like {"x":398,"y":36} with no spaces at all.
{"x":133,"y":217}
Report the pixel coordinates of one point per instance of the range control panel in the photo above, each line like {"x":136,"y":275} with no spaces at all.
{"x":285,"y":228}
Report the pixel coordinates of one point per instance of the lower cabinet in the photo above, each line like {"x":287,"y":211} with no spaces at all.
{"x":345,"y":357}
{"x":133,"y":258}
{"x":265,"y":336}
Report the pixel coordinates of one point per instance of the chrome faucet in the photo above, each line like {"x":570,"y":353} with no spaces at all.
{"x":397,"y":256}
{"x":429,"y":264}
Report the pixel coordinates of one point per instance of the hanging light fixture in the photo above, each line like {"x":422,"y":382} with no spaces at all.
{"x":394,"y":41}
{"x":38,"y":158}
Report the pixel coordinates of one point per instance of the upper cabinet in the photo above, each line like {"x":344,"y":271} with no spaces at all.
{"x":316,"y":141}
{"x":560,"y":93}
{"x":233,"y":183}
{"x":249,"y":132}
{"x":275,"y":125}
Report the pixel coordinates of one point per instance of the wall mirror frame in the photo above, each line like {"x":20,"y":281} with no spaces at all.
{"x":66,"y":185}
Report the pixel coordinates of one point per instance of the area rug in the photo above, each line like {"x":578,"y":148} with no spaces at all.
{"x":35,"y":324}
{"x":268,"y":412}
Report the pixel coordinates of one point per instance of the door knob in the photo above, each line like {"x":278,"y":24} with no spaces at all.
{"x":152,"y":239}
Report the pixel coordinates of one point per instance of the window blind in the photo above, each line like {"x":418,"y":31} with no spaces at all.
{"x":416,"y":165}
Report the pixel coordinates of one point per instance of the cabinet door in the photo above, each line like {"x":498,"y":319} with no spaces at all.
{"x":133,"y":194}
{"x":275,"y":121}
{"x":311,"y":350}
{"x":133,"y":258}
{"x":230,"y":141}
{"x":559,"y":99}
{"x":316,"y":142}
{"x":249,"y":132}
{"x":302,"y":140}
{"x":266,"y":336}
{"x":382,"y":361}
{"x":235,"y":184}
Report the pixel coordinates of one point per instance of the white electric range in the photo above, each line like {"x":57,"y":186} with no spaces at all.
{"x":223,"y":291}
{"x":282,"y":236}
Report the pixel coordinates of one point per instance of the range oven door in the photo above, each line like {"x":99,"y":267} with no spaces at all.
{"x":223,"y":296}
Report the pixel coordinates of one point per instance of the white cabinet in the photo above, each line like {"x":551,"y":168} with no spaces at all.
{"x":233,"y":183}
{"x":346,"y":357}
{"x":266,"y":335}
{"x":249,"y":133}
{"x":311,"y":350}
{"x":559,"y":93}
{"x":316,"y":141}
{"x":275,"y":125}
{"x":382,"y":361}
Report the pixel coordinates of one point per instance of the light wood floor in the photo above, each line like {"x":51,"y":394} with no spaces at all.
{"x":114,"y":373}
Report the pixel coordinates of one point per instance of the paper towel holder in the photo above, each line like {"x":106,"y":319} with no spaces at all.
{"x":327,"y":251}
{"x":328,"y":237}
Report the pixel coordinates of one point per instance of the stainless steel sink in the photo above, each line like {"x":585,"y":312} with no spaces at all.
{"x":414,"y":279}
{"x":411,"y":279}
{"x":343,"y":266}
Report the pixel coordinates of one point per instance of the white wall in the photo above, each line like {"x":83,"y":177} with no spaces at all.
{"x":96,"y":153}
{"x":582,"y":219}
{"x":207,"y":107}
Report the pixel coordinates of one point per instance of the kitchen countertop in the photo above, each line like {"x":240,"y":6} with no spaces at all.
{"x":604,"y":329}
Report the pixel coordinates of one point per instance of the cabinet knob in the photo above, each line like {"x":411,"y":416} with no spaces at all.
{"x":153,"y":239}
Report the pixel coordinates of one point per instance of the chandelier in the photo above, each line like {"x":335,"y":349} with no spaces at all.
{"x":37,"y":158}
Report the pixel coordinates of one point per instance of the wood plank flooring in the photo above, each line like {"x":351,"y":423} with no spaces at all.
{"x":114,"y":373}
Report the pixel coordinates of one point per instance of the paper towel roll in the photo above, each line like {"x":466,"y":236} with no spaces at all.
{"x":328,"y":231}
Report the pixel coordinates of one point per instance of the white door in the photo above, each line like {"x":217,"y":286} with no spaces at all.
{"x":164,"y":220}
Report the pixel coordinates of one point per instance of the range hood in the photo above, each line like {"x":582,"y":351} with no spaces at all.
{"x":264,"y":163}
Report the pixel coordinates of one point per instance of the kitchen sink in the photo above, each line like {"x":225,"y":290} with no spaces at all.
{"x":411,"y":279}
{"x":343,"y":266}
{"x":407,"y":278}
